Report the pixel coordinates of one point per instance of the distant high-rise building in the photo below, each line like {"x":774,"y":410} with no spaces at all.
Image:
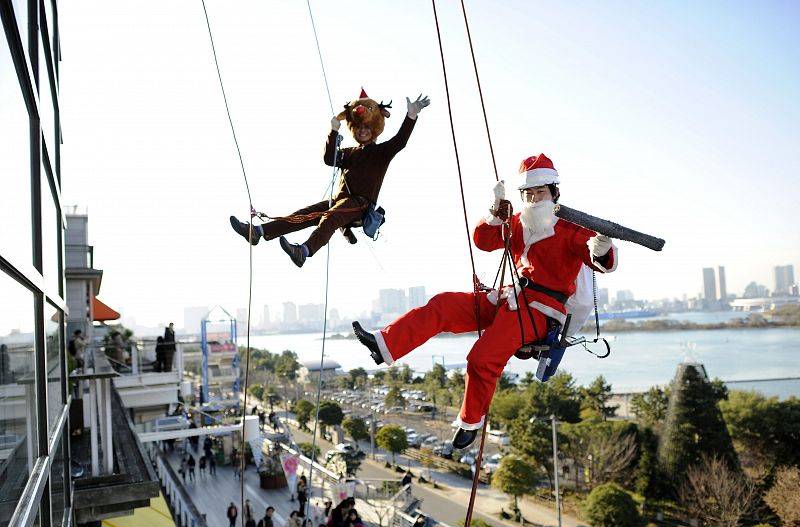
{"x":723,"y":290}
{"x":265,"y":316}
{"x":289,"y":313}
{"x":784,"y":279}
{"x":192,"y":317}
{"x":625,"y":295}
{"x":392,"y":300}
{"x":709,"y":286}
{"x":416,"y":296}
{"x":602,"y":296}
{"x":311,"y":312}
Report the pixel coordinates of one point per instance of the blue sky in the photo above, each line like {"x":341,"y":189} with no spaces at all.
{"x":674,"y":118}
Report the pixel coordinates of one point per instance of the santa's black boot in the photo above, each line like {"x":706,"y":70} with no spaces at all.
{"x":464,"y":438}
{"x":368,"y":339}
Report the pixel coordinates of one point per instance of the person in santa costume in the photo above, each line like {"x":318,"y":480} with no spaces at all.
{"x":548,"y":253}
{"x":363,"y":169}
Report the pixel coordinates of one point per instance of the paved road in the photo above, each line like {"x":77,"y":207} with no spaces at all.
{"x":449,"y":504}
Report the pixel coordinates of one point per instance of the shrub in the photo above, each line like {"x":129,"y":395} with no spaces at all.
{"x":609,"y":505}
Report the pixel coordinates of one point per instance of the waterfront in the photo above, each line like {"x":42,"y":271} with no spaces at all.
{"x":638,"y":360}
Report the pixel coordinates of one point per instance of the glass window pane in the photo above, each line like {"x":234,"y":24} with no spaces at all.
{"x":55,"y":398}
{"x":17,"y":390}
{"x":46,"y":112}
{"x":15,"y":169}
{"x":50,"y":243}
{"x":57,"y":483}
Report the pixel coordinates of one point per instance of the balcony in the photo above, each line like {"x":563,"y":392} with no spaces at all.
{"x":113,"y":475}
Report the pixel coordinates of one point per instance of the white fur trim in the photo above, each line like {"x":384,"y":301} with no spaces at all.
{"x":548,"y":311}
{"x":491,"y":219}
{"x":538,"y":177}
{"x":470,"y":426}
{"x":613,"y":252}
{"x":385,"y":355}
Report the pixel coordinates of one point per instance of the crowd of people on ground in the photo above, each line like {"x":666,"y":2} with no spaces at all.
{"x":343,"y":515}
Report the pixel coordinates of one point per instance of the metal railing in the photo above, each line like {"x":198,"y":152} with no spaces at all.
{"x":183,"y":509}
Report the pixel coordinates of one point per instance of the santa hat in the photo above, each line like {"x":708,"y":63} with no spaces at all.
{"x":363,"y":96}
{"x":537,"y":171}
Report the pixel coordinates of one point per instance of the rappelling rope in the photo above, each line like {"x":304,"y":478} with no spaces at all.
{"x":327,"y":282}
{"x":475,"y":282}
{"x":250,"y":273}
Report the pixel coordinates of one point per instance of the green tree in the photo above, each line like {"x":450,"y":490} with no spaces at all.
{"x":609,"y":505}
{"x":406,"y":375}
{"x":394,"y":397}
{"x":356,"y":427}
{"x":379,"y":376}
{"x":303,"y":410}
{"x":330,"y":413}
{"x":595,"y":399}
{"x":515,"y":477}
{"x":257,"y":391}
{"x":392,"y":439}
{"x":506,"y":407}
{"x":357,"y":377}
{"x":436,"y":377}
{"x":505,"y":382}
{"x":305,"y":449}
{"x":286,"y":365}
{"x":694,"y":424}
{"x":763,"y":429}
{"x":557,"y":396}
{"x":650,"y":407}
{"x":534,"y":441}
{"x":647,"y":466}
{"x":457,"y":380}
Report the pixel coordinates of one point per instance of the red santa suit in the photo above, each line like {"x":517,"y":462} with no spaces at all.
{"x":552,"y":259}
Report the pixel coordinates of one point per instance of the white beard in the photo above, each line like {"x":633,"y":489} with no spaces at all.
{"x":537,"y":221}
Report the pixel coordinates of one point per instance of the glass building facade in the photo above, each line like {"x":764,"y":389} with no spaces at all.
{"x":34,"y":405}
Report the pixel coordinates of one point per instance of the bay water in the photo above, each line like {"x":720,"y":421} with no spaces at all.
{"x":762,"y":359}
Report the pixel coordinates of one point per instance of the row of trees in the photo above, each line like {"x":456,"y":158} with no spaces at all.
{"x":694,"y":449}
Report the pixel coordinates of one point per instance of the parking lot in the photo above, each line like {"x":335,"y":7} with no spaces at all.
{"x":425,"y":428}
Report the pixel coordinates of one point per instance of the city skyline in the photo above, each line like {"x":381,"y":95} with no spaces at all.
{"x":661,"y":137}
{"x":387,"y":301}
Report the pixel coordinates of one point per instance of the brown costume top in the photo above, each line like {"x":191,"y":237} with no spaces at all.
{"x":364,"y":166}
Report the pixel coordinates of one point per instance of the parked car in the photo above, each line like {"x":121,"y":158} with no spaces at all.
{"x":498,"y":437}
{"x":430,"y":443}
{"x":445,"y":450}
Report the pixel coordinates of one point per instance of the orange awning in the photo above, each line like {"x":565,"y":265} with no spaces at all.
{"x":102,"y":312}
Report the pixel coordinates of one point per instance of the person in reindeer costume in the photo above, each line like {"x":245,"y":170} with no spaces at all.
{"x":548,"y":253}
{"x":363,"y":169}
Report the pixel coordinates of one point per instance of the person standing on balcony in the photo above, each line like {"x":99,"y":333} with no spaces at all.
{"x":77,"y":346}
{"x":169,"y":346}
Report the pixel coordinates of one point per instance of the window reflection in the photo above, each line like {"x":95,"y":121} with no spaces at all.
{"x":17,"y":390}
{"x":50,"y":247}
{"x":57,"y":483}
{"x":15,"y":160}
{"x":55,"y":399}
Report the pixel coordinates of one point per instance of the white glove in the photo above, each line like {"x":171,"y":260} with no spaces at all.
{"x":499,"y":193}
{"x":599,"y":245}
{"x":335,"y":124}
{"x":415,"y":107}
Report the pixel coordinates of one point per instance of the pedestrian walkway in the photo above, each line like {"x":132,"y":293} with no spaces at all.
{"x":212,"y":494}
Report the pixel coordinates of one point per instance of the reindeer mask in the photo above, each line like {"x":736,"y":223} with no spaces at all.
{"x":367,"y":112}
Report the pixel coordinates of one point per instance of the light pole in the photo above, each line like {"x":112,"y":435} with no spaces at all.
{"x":554,"y":424}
